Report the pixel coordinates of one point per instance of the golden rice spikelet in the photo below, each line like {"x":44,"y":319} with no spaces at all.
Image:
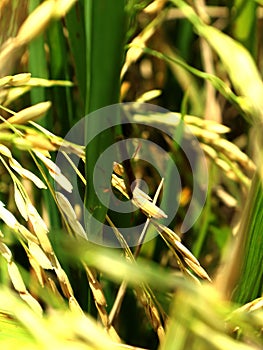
{"x":95,"y":287}
{"x":19,"y":79}
{"x":149,"y":95}
{"x":8,"y":96}
{"x":40,"y":228}
{"x":37,"y":269}
{"x":26,"y":173}
{"x":119,"y":184}
{"x":66,"y":206}
{"x":39,"y":256}
{"x":32,"y":302}
{"x":203,"y":133}
{"x":118,"y":169}
{"x":254,"y":305}
{"x":70,"y":214}
{"x":48,"y":83}
{"x":55,"y":172}
{"x":5,"y":151}
{"x":26,"y":234}
{"x":205,"y":123}
{"x":210,"y":151}
{"x":188,"y":258}
{"x":191,"y":261}
{"x":8,"y":217}
{"x":185,"y":252}
{"x":20,"y":202}
{"x":16,"y":278}
{"x":102,"y":313}
{"x":35,"y":219}
{"x":74,"y":306}
{"x":30,"y":113}
{"x":64,"y":282}
{"x":5,"y":80}
{"x":62,"y":7}
{"x":5,"y":252}
{"x":40,"y":142}
{"x":38,"y":20}
{"x":115,"y":337}
{"x":169,"y":234}
{"x":234,"y":153}
{"x":154,"y":315}
{"x":215,"y":127}
{"x":198,"y":269}
{"x":141,"y":200}
{"x":98,"y":293}
{"x":227,"y":169}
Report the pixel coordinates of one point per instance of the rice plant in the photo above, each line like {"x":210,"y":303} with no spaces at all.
{"x":192,"y":280}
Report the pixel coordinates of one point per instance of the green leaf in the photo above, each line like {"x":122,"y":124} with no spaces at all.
{"x":245,"y":24}
{"x":250,"y":249}
{"x":105,"y":33}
